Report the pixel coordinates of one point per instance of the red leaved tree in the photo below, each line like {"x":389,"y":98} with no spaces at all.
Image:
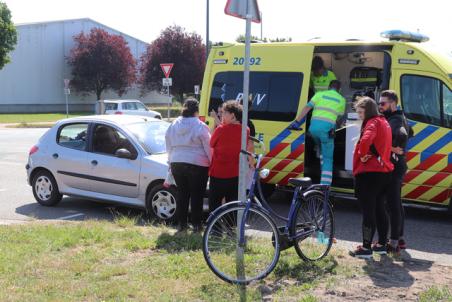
{"x":101,"y":61}
{"x":185,"y":50}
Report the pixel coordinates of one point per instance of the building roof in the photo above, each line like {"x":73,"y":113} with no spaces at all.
{"x":79,"y":20}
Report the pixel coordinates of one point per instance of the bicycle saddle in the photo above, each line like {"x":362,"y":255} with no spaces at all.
{"x":303,"y":182}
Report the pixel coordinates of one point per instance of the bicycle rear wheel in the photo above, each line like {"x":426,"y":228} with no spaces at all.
{"x":309,"y":217}
{"x":241,"y":263}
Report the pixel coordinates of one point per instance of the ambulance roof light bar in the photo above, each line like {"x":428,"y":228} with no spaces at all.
{"x":403,"y":35}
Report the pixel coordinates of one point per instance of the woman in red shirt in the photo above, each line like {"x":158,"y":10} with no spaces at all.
{"x":226,"y":144}
{"x":372,"y":167}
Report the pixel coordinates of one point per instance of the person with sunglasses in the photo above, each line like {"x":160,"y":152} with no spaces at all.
{"x":388,"y":106}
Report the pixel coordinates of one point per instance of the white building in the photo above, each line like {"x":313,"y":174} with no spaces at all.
{"x":33,"y":81}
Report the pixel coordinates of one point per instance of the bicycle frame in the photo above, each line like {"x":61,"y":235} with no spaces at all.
{"x":298,"y":197}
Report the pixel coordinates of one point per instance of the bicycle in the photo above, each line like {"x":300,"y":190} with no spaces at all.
{"x":242,"y":243}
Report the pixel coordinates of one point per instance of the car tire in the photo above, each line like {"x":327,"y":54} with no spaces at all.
{"x":449,"y":208}
{"x":45,"y":189}
{"x":162,"y":203}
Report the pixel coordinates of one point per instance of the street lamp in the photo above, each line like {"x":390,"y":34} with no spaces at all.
{"x":207,"y":29}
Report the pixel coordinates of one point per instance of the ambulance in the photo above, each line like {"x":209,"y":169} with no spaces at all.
{"x":280,"y":87}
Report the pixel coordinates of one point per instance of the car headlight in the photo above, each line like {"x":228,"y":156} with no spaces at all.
{"x":264,"y":173}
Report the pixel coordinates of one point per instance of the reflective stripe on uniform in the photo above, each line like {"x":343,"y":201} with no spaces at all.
{"x":327,"y":97}
{"x":325,"y":119}
{"x":327,"y":109}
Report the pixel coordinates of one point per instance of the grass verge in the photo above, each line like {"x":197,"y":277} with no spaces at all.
{"x":121,"y":261}
{"x":30,"y":125}
{"x":436,"y":294}
{"x":36,"y":117}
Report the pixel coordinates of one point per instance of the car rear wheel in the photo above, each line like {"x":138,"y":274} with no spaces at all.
{"x":162,"y":203}
{"x":45,"y":189}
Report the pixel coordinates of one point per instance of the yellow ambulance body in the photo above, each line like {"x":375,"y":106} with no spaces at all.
{"x":280,"y":88}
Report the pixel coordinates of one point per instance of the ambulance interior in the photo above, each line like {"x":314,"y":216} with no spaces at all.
{"x":361,"y":73}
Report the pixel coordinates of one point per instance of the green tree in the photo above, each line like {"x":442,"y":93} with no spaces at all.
{"x":281,"y":40}
{"x":101,"y":61}
{"x":8,"y":34}
{"x":241,"y":39}
{"x":174,"y":45}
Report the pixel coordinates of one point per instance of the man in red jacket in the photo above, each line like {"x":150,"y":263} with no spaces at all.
{"x":372,"y":167}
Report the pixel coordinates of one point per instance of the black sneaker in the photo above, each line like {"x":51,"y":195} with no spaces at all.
{"x":393,"y":251}
{"x":402,"y":244}
{"x":380,"y":249}
{"x":361,"y":253}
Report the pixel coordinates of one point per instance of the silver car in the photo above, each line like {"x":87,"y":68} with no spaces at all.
{"x":113,"y":158}
{"x":129,"y":107}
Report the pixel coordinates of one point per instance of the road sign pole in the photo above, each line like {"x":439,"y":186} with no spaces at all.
{"x":243,"y":168}
{"x":207,"y":29}
{"x":67,"y":91}
{"x":67,"y":106}
{"x":169,"y":102}
{"x":246,"y":82}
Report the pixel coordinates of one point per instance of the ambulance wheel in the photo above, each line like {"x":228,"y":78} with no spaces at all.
{"x":449,"y":208}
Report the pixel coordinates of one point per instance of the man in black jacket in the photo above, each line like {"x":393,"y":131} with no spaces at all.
{"x":388,"y":106}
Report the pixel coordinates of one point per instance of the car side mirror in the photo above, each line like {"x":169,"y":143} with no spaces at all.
{"x":124,"y":153}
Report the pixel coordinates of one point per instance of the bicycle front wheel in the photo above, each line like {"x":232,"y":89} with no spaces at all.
{"x":318,"y":225}
{"x":241,"y":261}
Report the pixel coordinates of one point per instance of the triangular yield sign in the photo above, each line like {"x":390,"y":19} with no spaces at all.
{"x":166,"y":68}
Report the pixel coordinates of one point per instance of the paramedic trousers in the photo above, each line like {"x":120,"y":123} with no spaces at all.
{"x":326,"y":144}
{"x":370,"y":190}
{"x":191,"y":182}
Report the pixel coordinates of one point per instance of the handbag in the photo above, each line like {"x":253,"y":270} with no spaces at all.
{"x":169,"y":180}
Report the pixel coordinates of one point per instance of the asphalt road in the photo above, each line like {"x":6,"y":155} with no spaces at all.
{"x":428,"y":233}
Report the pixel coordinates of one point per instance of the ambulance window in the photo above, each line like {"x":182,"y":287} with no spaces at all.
{"x":447,"y":106}
{"x":421,"y":99}
{"x":275,"y":94}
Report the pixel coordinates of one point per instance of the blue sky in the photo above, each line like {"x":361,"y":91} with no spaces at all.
{"x":298,"y":19}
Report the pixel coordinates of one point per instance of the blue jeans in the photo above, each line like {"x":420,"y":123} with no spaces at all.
{"x":319,"y":132}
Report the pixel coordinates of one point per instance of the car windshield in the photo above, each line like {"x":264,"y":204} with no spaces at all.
{"x":151,"y":135}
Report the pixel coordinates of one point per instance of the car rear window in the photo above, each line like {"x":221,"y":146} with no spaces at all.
{"x":73,"y":136}
{"x":129,"y":106}
{"x":275,"y":95}
{"x":111,"y":106}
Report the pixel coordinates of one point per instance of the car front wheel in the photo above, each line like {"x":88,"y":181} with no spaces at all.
{"x":45,"y":189}
{"x":162,"y":203}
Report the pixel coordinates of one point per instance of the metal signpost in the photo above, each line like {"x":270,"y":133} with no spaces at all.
{"x":167,"y":82}
{"x":67,"y":92}
{"x":249,"y":10}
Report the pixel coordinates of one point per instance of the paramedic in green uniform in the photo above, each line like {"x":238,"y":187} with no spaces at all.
{"x":320,"y":76}
{"x":327,"y":106}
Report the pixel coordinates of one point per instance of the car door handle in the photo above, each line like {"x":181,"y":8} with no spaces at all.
{"x":94,"y":162}
{"x":55,"y":155}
